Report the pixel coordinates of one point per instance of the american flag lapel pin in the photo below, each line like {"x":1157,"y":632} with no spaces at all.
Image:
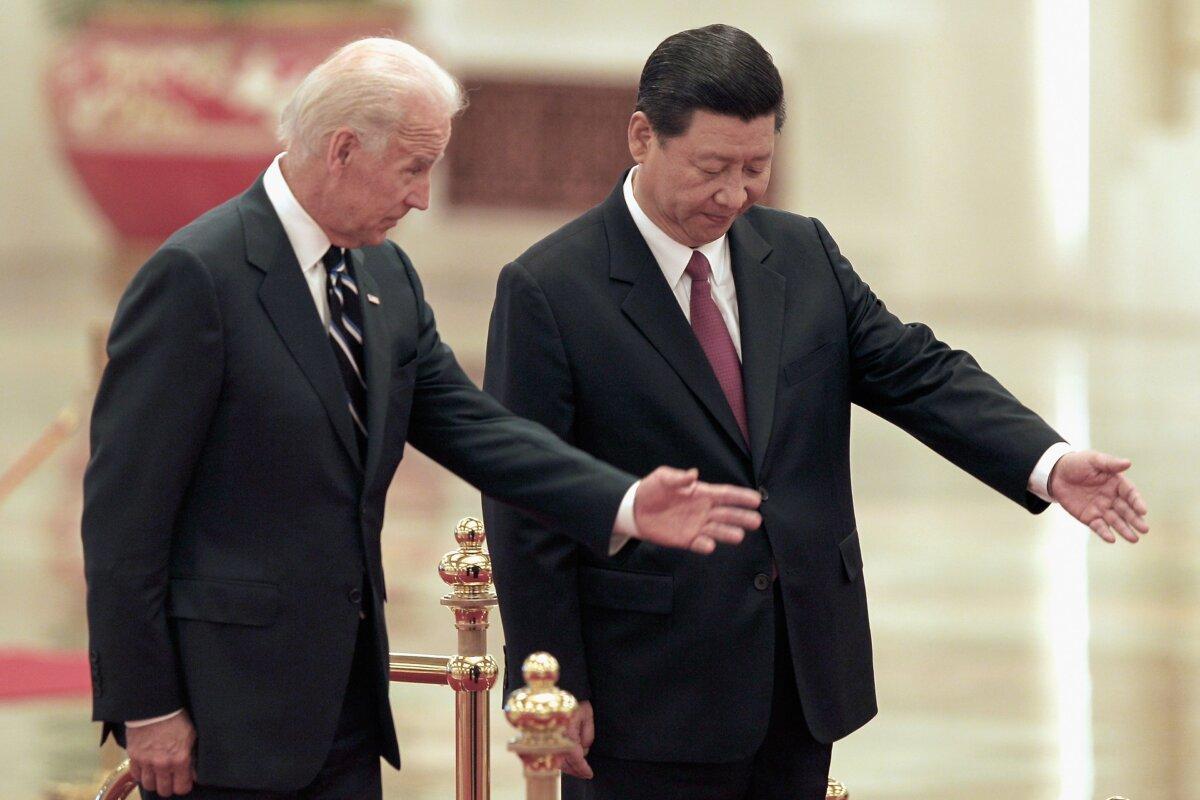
{"x":372,"y":299}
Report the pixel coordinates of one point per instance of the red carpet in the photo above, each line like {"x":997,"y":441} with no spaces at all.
{"x":27,"y":673}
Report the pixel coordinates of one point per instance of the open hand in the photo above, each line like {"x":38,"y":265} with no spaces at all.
{"x":581,"y":730}
{"x":1092,"y":488}
{"x":160,"y":755}
{"x":674,"y":508}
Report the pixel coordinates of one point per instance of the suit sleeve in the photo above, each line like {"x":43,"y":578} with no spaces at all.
{"x":903,"y":373}
{"x":512,"y":459}
{"x":536,"y":569}
{"x":152,"y":412}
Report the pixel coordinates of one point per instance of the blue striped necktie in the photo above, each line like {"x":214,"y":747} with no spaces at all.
{"x":346,"y":336}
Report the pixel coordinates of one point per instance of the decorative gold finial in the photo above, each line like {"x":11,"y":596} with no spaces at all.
{"x":468,"y":570}
{"x":836,"y":790}
{"x":540,"y":712}
{"x":540,"y":671}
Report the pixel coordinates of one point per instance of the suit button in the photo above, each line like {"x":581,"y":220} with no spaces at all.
{"x":762,"y":582}
{"x":763,"y":491}
{"x":355,"y":596}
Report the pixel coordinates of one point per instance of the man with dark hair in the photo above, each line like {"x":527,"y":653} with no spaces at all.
{"x":678,"y":322}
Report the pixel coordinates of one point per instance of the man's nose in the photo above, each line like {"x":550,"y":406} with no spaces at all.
{"x":418,"y":196}
{"x":733,"y":194}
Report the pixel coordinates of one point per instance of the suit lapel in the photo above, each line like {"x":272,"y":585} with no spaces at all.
{"x":287,"y":300}
{"x":651,"y":306}
{"x":760,"y":294}
{"x":377,"y":354}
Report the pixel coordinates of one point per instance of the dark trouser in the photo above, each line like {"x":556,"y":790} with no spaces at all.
{"x":789,"y":765}
{"x":352,"y":768}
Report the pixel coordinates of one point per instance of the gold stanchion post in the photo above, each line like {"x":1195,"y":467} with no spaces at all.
{"x":540,"y":712}
{"x":472,"y":672}
{"x":836,"y":790}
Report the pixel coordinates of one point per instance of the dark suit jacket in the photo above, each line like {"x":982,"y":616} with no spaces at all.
{"x":674,"y":649}
{"x":230,"y":527}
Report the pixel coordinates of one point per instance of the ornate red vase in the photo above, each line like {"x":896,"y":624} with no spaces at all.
{"x":165,"y":110}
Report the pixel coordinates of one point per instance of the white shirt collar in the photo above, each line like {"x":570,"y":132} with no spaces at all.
{"x":673,"y":257}
{"x":308,"y":241}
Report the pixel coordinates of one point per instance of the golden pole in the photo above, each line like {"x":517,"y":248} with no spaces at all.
{"x":540,"y":712}
{"x":55,"y":434}
{"x":472,"y":672}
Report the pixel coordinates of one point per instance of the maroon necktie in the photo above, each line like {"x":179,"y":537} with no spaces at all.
{"x":710,"y":330}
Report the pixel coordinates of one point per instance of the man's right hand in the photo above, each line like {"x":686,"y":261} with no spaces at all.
{"x":581,"y":730}
{"x":673,"y":508}
{"x":160,"y":755}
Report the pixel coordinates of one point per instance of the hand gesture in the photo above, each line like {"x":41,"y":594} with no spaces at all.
{"x":1092,"y":488}
{"x":581,"y":730}
{"x":673,"y":508}
{"x":160,"y":755}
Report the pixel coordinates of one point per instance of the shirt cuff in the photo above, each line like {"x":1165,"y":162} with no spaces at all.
{"x":1039,"y":479}
{"x":141,"y":723}
{"x":625,"y":527}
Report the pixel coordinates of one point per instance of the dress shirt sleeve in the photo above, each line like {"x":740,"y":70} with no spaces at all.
{"x":625,"y":528}
{"x":141,"y":723}
{"x":1039,"y":479}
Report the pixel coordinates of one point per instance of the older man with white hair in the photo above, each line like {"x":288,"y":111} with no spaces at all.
{"x":266,"y":368}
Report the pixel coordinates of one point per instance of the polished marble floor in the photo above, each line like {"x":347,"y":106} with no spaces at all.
{"x":1017,"y":656}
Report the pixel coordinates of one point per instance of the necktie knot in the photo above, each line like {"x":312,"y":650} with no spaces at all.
{"x":698,"y":268}
{"x":332,"y":259}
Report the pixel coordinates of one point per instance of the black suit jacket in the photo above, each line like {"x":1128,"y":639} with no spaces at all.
{"x":230,"y":527}
{"x":674,"y":649}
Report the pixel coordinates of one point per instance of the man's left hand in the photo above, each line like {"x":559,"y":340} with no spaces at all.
{"x":674,"y":508}
{"x":582,"y":731}
{"x":1091,"y":486}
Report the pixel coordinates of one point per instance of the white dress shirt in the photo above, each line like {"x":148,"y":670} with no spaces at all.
{"x":673,"y":258}
{"x":308,"y":240}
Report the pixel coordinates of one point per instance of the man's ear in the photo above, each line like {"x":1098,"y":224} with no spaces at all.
{"x":344,"y":145}
{"x":640,"y":136}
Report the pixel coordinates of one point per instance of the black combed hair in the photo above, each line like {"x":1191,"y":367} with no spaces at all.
{"x":717,"y":68}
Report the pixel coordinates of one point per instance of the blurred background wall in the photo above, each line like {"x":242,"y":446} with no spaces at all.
{"x":1020,"y":174}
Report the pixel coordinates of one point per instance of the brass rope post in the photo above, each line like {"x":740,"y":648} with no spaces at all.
{"x":540,"y":712}
{"x":472,"y":672}
{"x":836,"y":790}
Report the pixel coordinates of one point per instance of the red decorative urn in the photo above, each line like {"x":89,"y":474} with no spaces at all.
{"x":167,"y":109}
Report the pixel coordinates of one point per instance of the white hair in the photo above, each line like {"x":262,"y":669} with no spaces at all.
{"x":370,"y":87}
